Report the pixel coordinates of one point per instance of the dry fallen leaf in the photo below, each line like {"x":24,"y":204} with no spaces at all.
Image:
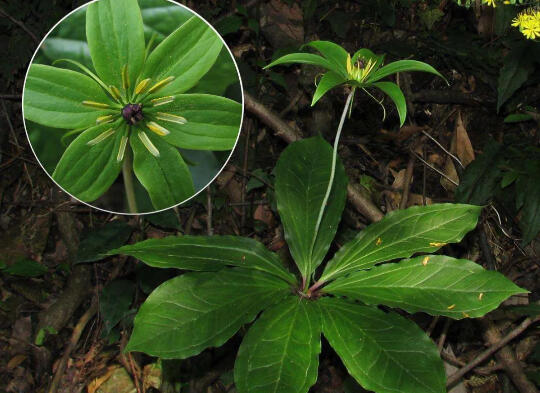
{"x":463,"y":146}
{"x":264,"y":214}
{"x":399,"y":178}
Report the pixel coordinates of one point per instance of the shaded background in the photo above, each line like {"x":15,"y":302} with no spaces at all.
{"x":55,"y":281}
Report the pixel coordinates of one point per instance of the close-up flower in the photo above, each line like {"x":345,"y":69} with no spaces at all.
{"x":135,"y":109}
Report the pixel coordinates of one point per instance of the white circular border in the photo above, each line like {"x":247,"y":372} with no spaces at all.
{"x":155,"y":211}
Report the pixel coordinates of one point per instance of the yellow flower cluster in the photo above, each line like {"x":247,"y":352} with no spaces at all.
{"x":491,"y":3}
{"x":359,"y":71}
{"x":528,"y":22}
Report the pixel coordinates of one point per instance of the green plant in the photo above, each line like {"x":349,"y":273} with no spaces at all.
{"x":138,"y":95}
{"x":236,"y":278}
{"x":363,"y":70}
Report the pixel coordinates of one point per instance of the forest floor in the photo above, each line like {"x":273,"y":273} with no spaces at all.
{"x":54,"y":336}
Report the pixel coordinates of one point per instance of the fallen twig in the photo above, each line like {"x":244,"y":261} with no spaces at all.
{"x":508,"y":360}
{"x":456,"y":377}
{"x":75,"y":336}
{"x":20,"y":24}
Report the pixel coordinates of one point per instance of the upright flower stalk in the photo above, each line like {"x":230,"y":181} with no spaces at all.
{"x":364,"y":70}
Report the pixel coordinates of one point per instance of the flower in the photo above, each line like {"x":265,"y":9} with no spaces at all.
{"x":528,"y":22}
{"x":132,"y":102}
{"x":491,"y":3}
{"x":134,"y":110}
{"x":361,"y":69}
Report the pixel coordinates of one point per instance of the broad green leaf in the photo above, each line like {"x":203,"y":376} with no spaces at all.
{"x":481,"y":177}
{"x":187,"y":55}
{"x":222,"y":75}
{"x":303,"y":58}
{"x":166,"y":177}
{"x":403,"y":66}
{"x":87,"y":171}
{"x":280,"y":352}
{"x":402,"y":233}
{"x":194,"y":311}
{"x":302,"y":175}
{"x":327,"y":82}
{"x":162,"y":18}
{"x":334,"y":53}
{"x":53,"y":97}
{"x":72,"y":27}
{"x":46,"y":144}
{"x":384,"y":352}
{"x":517,"y":118}
{"x":95,"y":244}
{"x":208,"y":253}
{"x":25,"y":268}
{"x":518,"y":64}
{"x":114,"y":303}
{"x":114,"y":30}
{"x":213,"y":122}
{"x":55,"y":48}
{"x":530,"y":213}
{"x":435,"y":284}
{"x":394,"y":92}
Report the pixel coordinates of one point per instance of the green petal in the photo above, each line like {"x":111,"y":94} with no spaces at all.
{"x":114,"y":30}
{"x":86,"y":170}
{"x":403,"y":66}
{"x":327,"y":82}
{"x":166,"y":177}
{"x":303,"y":58}
{"x":334,"y":53}
{"x":187,"y":55}
{"x":394,"y":92}
{"x":212,"y":122}
{"x":53,"y":97}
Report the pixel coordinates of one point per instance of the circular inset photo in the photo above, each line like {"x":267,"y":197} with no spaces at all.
{"x":132,"y":106}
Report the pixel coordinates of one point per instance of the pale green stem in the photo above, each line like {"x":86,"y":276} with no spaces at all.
{"x":332,"y":172}
{"x":127,"y":173}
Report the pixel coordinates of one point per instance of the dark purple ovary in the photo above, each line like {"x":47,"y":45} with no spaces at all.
{"x":132,"y":113}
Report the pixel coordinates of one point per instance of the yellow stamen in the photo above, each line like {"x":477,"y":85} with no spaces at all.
{"x":378,"y":242}
{"x":349,"y":64}
{"x":481,"y":295}
{"x":104,"y":119}
{"x":425,"y":261}
{"x":94,"y":104}
{"x":161,"y":84}
{"x":125,"y":77}
{"x":122,"y":148}
{"x":170,"y":117}
{"x":156,"y":128}
{"x":452,"y":306}
{"x":115,"y":92}
{"x":101,"y":137}
{"x":148,"y":143}
{"x":142,"y":86}
{"x":162,"y":100}
{"x":437,"y":244}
